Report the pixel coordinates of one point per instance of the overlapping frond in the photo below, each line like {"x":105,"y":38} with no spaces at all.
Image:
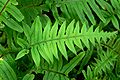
{"x":87,"y":10}
{"x":114,"y":47}
{"x":32,"y":8}
{"x":104,"y":63}
{"x":59,"y":71}
{"x":8,"y":7}
{"x":6,"y":72}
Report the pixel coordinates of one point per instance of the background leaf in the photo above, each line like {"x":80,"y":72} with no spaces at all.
{"x":6,"y":71}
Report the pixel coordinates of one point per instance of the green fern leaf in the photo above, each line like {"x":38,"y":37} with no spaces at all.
{"x":88,"y":11}
{"x":105,"y":5}
{"x":6,"y":72}
{"x":96,"y":9}
{"x":36,"y":30}
{"x":12,"y":24}
{"x":89,"y":74}
{"x":68,"y":67}
{"x":46,"y":36}
{"x":92,"y":39}
{"x":65,"y":36}
{"x":43,"y":53}
{"x":53,"y":34}
{"x":84,"y":39}
{"x":53,"y":71}
{"x":76,"y":40}
{"x":69,"y":32}
{"x":15,"y":12}
{"x":14,"y":2}
{"x":59,"y":71}
{"x":115,"y":22}
{"x":35,"y":56}
{"x":21,"y":54}
{"x":8,"y":6}
{"x":115,"y":4}
{"x":79,"y":12}
{"x":61,"y":44}
{"x":26,"y":29}
{"x":105,"y":62}
{"x":24,"y":44}
{"x":28,"y":77}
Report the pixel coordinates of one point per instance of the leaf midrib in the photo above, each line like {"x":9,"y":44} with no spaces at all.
{"x":66,"y":37}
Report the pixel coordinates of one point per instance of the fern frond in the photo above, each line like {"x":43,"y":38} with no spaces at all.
{"x":114,"y":47}
{"x":104,"y":62}
{"x":59,"y":71}
{"x":6,"y":72}
{"x":83,"y":9}
{"x":79,"y":9}
{"x":8,"y":6}
{"x":89,"y":75}
{"x":49,"y":40}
